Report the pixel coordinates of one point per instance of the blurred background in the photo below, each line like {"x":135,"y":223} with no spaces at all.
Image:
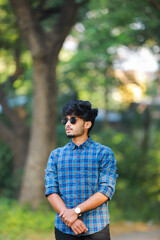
{"x":107,"y":52}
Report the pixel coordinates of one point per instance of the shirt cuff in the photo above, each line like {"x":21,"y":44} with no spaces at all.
{"x":107,"y":191}
{"x":50,"y":191}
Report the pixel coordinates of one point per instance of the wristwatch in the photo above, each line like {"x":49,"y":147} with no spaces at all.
{"x":78,"y":210}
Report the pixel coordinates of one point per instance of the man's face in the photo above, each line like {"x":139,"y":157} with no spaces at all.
{"x":75,"y":126}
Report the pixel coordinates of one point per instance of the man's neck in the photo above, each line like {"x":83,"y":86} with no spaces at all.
{"x":79,"y":140}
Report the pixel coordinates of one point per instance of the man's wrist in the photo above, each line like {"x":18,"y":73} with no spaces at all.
{"x":77,"y":210}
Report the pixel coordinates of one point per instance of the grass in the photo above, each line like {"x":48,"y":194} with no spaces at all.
{"x":20,"y":222}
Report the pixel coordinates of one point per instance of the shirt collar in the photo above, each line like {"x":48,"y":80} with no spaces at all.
{"x":85,"y":144}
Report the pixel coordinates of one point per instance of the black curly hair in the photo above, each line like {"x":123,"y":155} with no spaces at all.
{"x":82,"y":109}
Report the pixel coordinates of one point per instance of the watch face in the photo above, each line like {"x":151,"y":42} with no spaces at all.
{"x":77,"y":210}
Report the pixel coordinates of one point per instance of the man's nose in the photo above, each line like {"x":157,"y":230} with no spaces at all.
{"x":68,"y":123}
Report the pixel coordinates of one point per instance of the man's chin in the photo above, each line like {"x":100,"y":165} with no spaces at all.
{"x":70,"y":135}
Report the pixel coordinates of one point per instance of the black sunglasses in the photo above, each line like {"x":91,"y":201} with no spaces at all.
{"x":72,"y":120}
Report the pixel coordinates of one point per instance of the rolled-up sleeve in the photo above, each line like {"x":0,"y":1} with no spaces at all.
{"x":51,"y":177}
{"x":108,"y":173}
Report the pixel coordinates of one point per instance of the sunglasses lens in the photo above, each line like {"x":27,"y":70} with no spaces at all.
{"x":72,"y":120}
{"x":64,"y":121}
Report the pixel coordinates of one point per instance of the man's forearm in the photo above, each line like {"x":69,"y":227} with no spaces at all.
{"x":58,"y":205}
{"x":56,"y":202}
{"x":69,"y":215}
{"x":93,"y":202}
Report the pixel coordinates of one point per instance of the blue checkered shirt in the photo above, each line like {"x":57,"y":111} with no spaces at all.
{"x":75,"y":173}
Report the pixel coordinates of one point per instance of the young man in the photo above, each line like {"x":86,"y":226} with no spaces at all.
{"x":80,"y":178}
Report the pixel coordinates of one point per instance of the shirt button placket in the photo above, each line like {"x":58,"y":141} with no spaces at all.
{"x":78,"y":173}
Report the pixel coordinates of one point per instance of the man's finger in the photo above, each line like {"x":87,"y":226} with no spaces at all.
{"x":80,"y":228}
{"x":76,"y":231}
{"x":61,"y":213}
{"x":84,"y":228}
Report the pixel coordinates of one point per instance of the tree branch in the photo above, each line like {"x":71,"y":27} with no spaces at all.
{"x":29,"y":26}
{"x":83,"y":3}
{"x":66,"y":20}
{"x":18,"y":70}
{"x":42,"y":4}
{"x":48,"y":12}
{"x":154,"y":3}
{"x":42,"y":14}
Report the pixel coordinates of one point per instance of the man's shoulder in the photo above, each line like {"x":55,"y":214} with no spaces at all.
{"x":100,"y":146}
{"x":60,"y":150}
{"x":102,"y":150}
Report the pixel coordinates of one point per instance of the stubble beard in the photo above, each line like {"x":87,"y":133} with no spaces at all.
{"x":75,"y":135}
{"x":78,"y":134}
{"x":71,"y":136}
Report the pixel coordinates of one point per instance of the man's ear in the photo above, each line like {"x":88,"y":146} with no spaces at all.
{"x":88,"y":124}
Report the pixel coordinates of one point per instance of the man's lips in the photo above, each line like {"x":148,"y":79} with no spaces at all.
{"x":68,"y":129}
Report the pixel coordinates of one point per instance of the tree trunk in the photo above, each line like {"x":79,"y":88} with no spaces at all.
{"x":43,"y":135}
{"x":44,"y":48}
{"x":19,"y":148}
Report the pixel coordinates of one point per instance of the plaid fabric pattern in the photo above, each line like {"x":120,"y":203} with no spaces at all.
{"x":76,"y":173}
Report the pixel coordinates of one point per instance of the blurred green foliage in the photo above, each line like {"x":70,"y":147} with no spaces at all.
{"x":105,"y":26}
{"x":18,"y":222}
{"x":6,"y":176}
{"x":9,"y":182}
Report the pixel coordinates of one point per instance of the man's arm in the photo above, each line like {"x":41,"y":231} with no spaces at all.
{"x":56,"y":202}
{"x":93,"y":202}
{"x":58,"y":205}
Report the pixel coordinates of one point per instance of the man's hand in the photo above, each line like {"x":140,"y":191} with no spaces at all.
{"x":79,"y":227}
{"x":68,"y":216}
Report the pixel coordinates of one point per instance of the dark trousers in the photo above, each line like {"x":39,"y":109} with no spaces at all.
{"x":104,"y":234}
